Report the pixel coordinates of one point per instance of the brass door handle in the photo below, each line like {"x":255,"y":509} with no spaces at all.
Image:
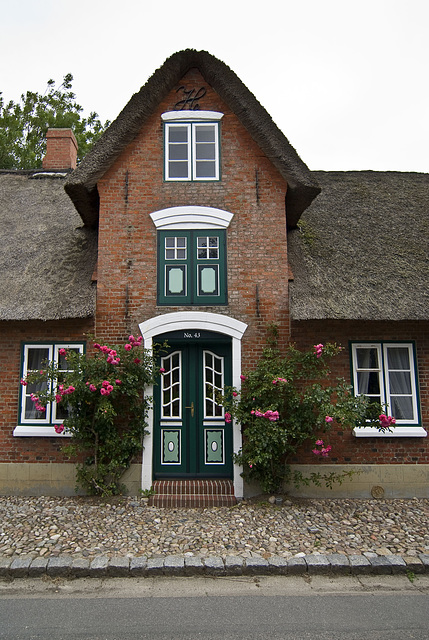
{"x":192,"y":409}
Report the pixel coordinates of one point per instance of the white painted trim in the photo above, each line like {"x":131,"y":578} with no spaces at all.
{"x":40,"y":432}
{"x":397,"y":432}
{"x":185,"y":320}
{"x":193,"y":217}
{"x":182,"y":321}
{"x":191,"y":116}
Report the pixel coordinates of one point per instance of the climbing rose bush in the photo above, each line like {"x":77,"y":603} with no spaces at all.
{"x":107,"y":408}
{"x":285,"y":403}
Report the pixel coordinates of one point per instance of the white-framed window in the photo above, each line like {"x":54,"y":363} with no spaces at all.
{"x":34,"y":358}
{"x":386,"y":372}
{"x":192,"y":150}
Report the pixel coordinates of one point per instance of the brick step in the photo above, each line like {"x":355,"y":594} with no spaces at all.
{"x":193,"y":493}
{"x":196,"y":500}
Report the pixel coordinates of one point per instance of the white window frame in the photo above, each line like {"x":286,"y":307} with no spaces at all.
{"x":191,"y":120}
{"x":403,"y":428}
{"x":44,"y":427}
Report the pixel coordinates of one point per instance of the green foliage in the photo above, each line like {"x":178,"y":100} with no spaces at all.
{"x":23,"y":124}
{"x":107,"y":409}
{"x":283,"y":403}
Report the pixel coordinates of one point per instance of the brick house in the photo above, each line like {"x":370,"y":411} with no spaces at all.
{"x":209,"y":228}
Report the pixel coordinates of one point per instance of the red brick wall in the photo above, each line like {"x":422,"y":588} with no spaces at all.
{"x":250,"y":188}
{"x":346,"y":448}
{"x":12,"y":335}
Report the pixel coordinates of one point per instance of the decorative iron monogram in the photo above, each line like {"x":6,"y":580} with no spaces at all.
{"x":190,"y":100}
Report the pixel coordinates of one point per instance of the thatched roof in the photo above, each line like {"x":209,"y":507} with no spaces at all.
{"x":46,"y":257}
{"x":363,"y":248}
{"x":82,"y":185}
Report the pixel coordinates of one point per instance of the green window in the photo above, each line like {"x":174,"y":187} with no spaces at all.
{"x":191,"y":267}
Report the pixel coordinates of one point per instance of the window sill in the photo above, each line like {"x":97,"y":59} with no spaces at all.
{"x":397,"y":432}
{"x":45,"y":431}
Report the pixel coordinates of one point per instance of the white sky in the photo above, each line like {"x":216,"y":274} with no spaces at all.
{"x":347,"y":82}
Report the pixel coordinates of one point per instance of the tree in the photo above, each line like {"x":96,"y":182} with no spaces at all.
{"x":23,"y":125}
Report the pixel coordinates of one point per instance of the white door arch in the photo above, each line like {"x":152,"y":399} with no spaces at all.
{"x":188,"y":321}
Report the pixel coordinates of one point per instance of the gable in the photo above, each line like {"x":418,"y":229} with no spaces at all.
{"x":82,"y":185}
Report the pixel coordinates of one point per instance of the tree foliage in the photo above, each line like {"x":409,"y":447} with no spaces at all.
{"x":23,"y":124}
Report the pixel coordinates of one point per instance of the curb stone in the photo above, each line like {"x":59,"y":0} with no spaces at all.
{"x":178,"y":565}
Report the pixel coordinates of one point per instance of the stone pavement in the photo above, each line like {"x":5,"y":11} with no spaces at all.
{"x":79,"y":537}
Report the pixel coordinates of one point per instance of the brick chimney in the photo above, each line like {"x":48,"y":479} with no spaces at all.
{"x":61,"y":150}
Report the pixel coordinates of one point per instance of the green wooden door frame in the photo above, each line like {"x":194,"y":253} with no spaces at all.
{"x":192,"y":440}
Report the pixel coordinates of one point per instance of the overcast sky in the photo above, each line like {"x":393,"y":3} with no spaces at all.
{"x":347,"y":82}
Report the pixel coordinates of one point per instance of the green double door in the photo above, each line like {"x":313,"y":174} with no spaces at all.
{"x":191,"y":437}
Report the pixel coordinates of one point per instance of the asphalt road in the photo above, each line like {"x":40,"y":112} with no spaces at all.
{"x":320,"y":608}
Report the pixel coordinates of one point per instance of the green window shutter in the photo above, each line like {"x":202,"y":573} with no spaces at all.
{"x":192,"y":267}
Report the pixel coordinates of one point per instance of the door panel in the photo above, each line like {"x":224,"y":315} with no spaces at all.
{"x":192,"y":438}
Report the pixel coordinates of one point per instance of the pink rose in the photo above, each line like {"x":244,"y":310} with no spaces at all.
{"x":227,"y":417}
{"x":329,"y":419}
{"x":59,"y":428}
{"x":128,"y":347}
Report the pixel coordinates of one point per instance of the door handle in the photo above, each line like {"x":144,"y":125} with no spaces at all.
{"x":192,"y":409}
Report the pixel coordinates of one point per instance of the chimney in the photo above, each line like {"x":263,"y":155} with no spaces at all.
{"x":61,"y":150}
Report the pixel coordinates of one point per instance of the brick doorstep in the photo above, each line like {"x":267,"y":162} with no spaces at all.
{"x":193,"y":493}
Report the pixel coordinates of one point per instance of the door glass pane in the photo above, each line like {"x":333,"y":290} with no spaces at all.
{"x":171,"y":386}
{"x":213,"y":384}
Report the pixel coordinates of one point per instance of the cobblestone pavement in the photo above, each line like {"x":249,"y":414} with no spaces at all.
{"x":126,"y":527}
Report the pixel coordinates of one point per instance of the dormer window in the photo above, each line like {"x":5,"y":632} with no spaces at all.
{"x":191,"y":145}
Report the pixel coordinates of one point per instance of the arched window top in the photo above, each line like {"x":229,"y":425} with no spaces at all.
{"x":191,"y":116}
{"x":192,"y":217}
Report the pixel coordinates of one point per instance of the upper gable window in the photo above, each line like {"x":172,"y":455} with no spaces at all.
{"x":192,"y":150}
